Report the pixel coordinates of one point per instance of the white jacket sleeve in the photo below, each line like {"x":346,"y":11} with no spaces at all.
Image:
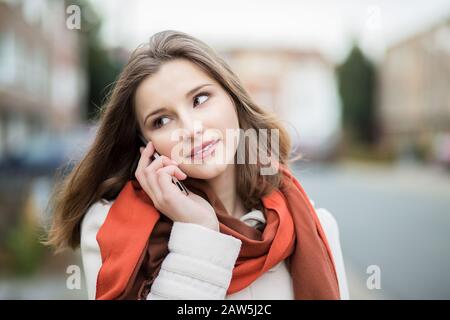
{"x":199,"y":264}
{"x":331,"y":229}
{"x":90,"y":250}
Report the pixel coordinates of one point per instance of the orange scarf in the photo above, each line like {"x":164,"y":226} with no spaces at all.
{"x":292,"y":231}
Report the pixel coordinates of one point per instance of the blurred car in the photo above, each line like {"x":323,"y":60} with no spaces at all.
{"x":45,"y":153}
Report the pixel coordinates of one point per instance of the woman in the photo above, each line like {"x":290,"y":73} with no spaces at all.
{"x":245,"y":230}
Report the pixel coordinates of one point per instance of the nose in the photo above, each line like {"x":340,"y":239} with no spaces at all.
{"x":191,"y":133}
{"x":192,"y":127}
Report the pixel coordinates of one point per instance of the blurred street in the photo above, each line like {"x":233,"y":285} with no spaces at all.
{"x":395,"y":217}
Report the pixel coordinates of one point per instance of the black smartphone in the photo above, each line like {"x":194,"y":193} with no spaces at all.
{"x":156,"y":155}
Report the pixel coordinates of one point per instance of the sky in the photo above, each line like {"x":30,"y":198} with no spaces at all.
{"x":325,"y":25}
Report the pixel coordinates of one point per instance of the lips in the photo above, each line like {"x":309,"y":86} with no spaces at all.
{"x":204,"y":147}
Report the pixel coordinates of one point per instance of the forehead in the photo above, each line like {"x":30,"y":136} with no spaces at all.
{"x":173,"y":79}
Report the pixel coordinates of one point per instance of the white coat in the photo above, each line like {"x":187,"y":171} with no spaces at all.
{"x":200,"y":261}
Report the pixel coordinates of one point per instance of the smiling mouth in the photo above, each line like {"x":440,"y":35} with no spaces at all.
{"x":204,"y":150}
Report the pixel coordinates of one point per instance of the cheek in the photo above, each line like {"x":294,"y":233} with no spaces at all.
{"x":163,"y":143}
{"x":230,"y":123}
{"x":225,"y":120}
{"x":228,"y":115}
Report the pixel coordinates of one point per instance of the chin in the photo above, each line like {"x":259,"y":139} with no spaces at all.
{"x":204,"y":171}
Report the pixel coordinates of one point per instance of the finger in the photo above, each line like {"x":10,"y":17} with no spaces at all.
{"x":160,"y":162}
{"x":145,"y":156}
{"x":166,"y":185}
{"x":173,"y":171}
{"x":143,"y":162}
{"x":151,"y":177}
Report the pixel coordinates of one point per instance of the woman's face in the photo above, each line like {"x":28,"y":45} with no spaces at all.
{"x":180,"y":108}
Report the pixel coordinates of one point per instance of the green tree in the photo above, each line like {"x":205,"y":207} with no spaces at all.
{"x":102,"y":72}
{"x":356,"y":78}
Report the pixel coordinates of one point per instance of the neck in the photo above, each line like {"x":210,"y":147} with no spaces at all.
{"x":224,"y":186}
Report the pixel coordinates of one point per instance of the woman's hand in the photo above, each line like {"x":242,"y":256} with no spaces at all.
{"x":155,"y":177}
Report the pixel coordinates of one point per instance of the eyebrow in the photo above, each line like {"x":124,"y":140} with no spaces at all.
{"x":189,"y":93}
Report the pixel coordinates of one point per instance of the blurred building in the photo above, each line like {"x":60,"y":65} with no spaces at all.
{"x":415,"y":91}
{"x":42,"y":78}
{"x":300,"y":86}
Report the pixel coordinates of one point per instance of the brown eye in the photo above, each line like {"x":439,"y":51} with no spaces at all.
{"x":159,"y":122}
{"x":200,"y":98}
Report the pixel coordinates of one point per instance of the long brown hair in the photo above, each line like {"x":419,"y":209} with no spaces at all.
{"x":111,"y":159}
